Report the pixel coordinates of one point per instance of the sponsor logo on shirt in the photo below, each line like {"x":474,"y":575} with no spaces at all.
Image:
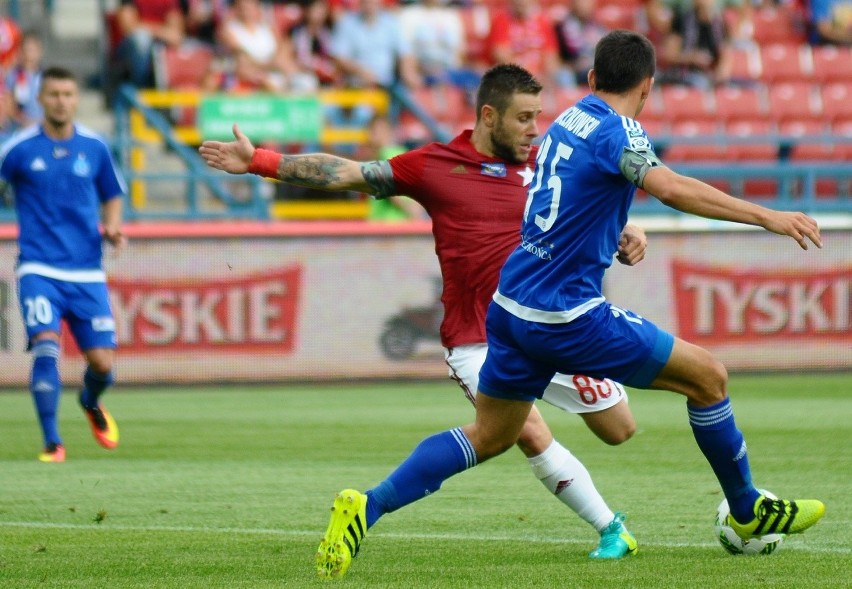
{"x":81,"y":166}
{"x":103,"y":323}
{"x":38,"y":165}
{"x":496,"y":169}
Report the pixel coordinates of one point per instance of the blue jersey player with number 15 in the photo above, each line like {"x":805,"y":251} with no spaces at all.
{"x":65,"y":181}
{"x":549,"y":314}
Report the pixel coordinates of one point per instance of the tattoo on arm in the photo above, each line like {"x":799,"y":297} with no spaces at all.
{"x":313,"y":171}
{"x":379,"y":178}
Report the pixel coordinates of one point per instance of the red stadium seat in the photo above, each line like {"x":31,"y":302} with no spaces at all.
{"x":785,"y":62}
{"x":183,"y":67}
{"x":793,"y":100}
{"x":810,"y":150}
{"x":777,"y":25}
{"x":763,"y":151}
{"x":832,"y":63}
{"x":734,"y":103}
{"x":806,"y":150}
{"x":476,"y":23}
{"x":837,"y":101}
{"x":691,"y":152}
{"x":614,"y":16}
{"x":684,"y":103}
{"x":842,"y":128}
{"x":745,"y":64}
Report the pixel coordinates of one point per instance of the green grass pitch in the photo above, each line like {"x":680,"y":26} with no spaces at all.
{"x":230,"y":487}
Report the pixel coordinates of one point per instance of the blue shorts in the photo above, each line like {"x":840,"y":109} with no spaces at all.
{"x":605,"y":342}
{"x":84,"y":306}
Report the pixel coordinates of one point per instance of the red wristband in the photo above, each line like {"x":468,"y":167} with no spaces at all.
{"x":264,"y":163}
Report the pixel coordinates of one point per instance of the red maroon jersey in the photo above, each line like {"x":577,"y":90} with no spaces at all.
{"x":476,"y":203}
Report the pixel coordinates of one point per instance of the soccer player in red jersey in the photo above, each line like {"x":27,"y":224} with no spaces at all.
{"x":474,"y":189}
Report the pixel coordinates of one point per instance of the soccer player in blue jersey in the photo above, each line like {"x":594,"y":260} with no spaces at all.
{"x":549,"y":314}
{"x":65,"y":182}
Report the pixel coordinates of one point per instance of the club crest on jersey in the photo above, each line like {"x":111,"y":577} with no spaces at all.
{"x":81,"y":166}
{"x":496,"y":169}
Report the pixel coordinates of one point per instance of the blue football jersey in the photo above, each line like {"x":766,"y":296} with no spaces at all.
{"x":590,"y":161}
{"x":59,"y":186}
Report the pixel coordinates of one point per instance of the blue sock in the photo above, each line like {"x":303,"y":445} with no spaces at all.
{"x":725,"y":449}
{"x":433,"y":461}
{"x":93,"y":385}
{"x":45,"y":388}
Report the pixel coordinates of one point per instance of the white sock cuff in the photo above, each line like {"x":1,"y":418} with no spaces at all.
{"x":549,"y":461}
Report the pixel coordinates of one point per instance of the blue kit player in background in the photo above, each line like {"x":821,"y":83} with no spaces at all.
{"x":549,"y":314}
{"x":64,"y":182}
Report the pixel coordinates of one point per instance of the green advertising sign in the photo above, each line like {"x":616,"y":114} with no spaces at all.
{"x":262,"y":117}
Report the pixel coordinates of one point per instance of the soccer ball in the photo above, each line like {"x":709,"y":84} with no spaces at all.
{"x":729,"y":540}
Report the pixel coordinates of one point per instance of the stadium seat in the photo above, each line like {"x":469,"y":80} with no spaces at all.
{"x":837,"y":101}
{"x":809,"y":150}
{"x":654,"y":128}
{"x":785,"y":62}
{"x":685,"y":103}
{"x":445,"y":103}
{"x":793,"y":100}
{"x":843,"y":128}
{"x":745,"y":64}
{"x":777,"y":25}
{"x":615,"y":16}
{"x":182,"y":68}
{"x":735,"y":103}
{"x":764,"y":151}
{"x":476,"y":23}
{"x":832,"y":63}
{"x":690,"y":152}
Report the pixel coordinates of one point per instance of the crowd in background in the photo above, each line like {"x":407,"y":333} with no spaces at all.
{"x":300,"y":46}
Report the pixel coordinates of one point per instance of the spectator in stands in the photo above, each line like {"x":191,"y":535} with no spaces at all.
{"x":142,"y":25}
{"x":371,"y":52}
{"x":8,"y":123}
{"x":10,"y":41}
{"x":263,"y":57}
{"x":578,"y":34}
{"x":830,"y":22}
{"x":697,"y":48}
{"x":522,"y":33}
{"x":435,"y":32}
{"x":24,"y":79}
{"x":203,"y":18}
{"x":369,"y":48}
{"x":311,"y":39}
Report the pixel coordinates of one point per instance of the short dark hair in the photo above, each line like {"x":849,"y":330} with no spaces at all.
{"x":500,"y":83}
{"x":58,"y":73}
{"x":623,"y":59}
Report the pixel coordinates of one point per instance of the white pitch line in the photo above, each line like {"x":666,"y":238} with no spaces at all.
{"x":413,"y":536}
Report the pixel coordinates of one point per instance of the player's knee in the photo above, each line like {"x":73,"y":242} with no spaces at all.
{"x":100,"y":363}
{"x":714,"y":383}
{"x":619,"y":435}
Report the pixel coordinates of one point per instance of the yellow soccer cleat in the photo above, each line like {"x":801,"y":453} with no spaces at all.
{"x":347,"y":528}
{"x":778,"y":516}
{"x":53,"y":453}
{"x":103,"y":425}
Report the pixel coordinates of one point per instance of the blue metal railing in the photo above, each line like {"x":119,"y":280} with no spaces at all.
{"x":197,"y":173}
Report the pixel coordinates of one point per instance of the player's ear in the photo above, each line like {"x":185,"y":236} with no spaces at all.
{"x":488,"y":115}
{"x":591,"y":79}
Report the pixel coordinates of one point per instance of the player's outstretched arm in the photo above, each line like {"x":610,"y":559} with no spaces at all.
{"x":322,"y":171}
{"x":698,"y":198}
